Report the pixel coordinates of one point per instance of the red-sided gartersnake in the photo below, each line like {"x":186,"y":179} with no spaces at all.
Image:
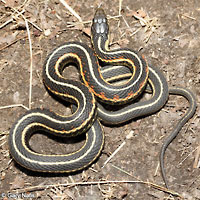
{"x":81,"y":95}
{"x":96,"y":83}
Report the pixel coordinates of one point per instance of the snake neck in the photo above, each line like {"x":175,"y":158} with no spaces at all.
{"x":101,"y":48}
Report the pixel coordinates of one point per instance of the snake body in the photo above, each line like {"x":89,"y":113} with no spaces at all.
{"x":96,"y":86}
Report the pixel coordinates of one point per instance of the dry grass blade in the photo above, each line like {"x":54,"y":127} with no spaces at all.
{"x":197,"y":158}
{"x":114,"y":153}
{"x":31,"y":63}
{"x":13,"y":42}
{"x":71,"y":10}
{"x":120,"y":6}
{"x":10,"y":20}
{"x":14,"y":105}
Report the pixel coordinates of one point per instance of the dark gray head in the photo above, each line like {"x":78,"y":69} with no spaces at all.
{"x":100,"y":25}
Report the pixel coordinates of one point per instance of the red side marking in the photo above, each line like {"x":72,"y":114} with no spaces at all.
{"x":116,"y":97}
{"x":143,"y":57}
{"x":130,"y":94}
{"x":102,"y":95}
{"x":91,"y":89}
{"x":83,"y":74}
{"x":147,"y":69}
{"x":141,"y":85}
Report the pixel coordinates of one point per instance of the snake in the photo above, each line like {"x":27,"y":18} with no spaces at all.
{"x":96,"y":88}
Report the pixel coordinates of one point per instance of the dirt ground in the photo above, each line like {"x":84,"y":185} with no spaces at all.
{"x":168,"y":36}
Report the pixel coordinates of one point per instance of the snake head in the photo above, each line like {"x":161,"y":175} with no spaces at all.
{"x":100,"y":25}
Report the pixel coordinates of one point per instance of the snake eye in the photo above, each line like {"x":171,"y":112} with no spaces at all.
{"x":100,"y":20}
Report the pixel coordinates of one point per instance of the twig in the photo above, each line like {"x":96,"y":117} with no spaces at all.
{"x":36,"y":26}
{"x":35,"y":188}
{"x":197,"y":158}
{"x":179,"y":19}
{"x":13,"y":42}
{"x":136,"y":31}
{"x":120,"y":6}
{"x":10,"y":20}
{"x":180,"y":163}
{"x":187,"y":16}
{"x":155,"y":173}
{"x":125,"y":172}
{"x":21,"y":14}
{"x":113,"y":17}
{"x":41,"y":187}
{"x":113,"y":154}
{"x":8,"y":164}
{"x":14,"y":105}
{"x":2,"y":143}
{"x":71,"y":10}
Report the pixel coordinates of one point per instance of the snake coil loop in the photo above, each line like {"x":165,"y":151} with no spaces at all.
{"x":97,"y":85}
